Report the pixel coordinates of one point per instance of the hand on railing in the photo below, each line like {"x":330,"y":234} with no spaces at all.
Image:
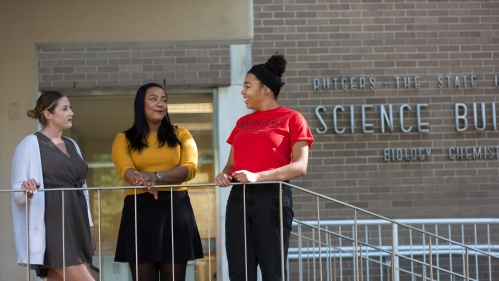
{"x":30,"y":186}
{"x":147,"y":180}
{"x":245,"y":176}
{"x":223,"y":180}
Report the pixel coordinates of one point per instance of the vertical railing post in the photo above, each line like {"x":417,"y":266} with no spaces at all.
{"x":394,"y":250}
{"x":361,"y":265}
{"x":450,"y":250}
{"x":412,"y":255}
{"x":100,"y":234}
{"x":136,"y":246}
{"x":171,"y":226}
{"x":209,"y":233}
{"x":430,"y":257}
{"x":334,"y":265}
{"x":367,"y":253}
{"x":488,"y":244}
{"x":437,"y":250}
{"x":328,"y":259}
{"x":356,"y":245}
{"x":63,"y":241}
{"x":467,"y":266}
{"x":300,"y":262}
{"x":244,"y":228}
{"x":380,"y":256}
{"x":476,"y":253}
{"x":308,"y":260}
{"x":319,"y":237}
{"x":283,"y":276}
{"x":28,"y":273}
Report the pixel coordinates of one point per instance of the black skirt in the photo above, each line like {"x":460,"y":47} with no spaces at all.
{"x":154,"y":234}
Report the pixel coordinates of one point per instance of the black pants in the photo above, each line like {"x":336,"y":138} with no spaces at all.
{"x":262,"y":231}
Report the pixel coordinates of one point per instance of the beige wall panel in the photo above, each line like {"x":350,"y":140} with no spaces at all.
{"x":49,"y":23}
{"x":114,"y":21}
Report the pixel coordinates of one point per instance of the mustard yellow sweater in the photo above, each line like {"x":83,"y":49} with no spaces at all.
{"x":154,"y":158}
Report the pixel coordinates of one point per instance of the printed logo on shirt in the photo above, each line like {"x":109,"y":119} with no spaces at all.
{"x":260,"y":123}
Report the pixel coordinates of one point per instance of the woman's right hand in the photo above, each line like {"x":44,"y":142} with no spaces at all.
{"x":31,"y":187}
{"x":223,"y":180}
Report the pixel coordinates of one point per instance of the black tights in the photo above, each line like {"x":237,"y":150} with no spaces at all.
{"x":154,"y":271}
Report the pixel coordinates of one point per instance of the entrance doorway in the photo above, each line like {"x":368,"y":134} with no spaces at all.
{"x":99,"y":117}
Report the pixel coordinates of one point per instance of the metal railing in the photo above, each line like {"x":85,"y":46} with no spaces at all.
{"x":340,"y":254}
{"x":329,"y":246}
{"x":99,"y":217}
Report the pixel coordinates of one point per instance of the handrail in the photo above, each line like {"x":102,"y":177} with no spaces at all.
{"x":397,"y":222}
{"x":407,"y":221}
{"x":366,"y":249}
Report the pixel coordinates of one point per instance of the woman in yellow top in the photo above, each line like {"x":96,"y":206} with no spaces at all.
{"x":154,"y":152}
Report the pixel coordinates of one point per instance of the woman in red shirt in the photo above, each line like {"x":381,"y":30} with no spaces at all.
{"x":270,"y":144}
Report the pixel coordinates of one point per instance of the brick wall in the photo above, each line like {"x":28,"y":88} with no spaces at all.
{"x":130,"y":67}
{"x":383,"y":39}
{"x":328,"y":39}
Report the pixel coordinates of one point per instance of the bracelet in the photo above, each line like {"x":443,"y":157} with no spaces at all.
{"x":159,"y":175}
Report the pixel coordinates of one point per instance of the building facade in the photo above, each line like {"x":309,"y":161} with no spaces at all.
{"x":401,"y":96}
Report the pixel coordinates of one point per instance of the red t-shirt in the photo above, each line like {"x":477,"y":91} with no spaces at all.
{"x":262,"y":140}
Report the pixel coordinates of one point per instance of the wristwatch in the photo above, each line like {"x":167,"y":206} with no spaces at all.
{"x":160,"y":176}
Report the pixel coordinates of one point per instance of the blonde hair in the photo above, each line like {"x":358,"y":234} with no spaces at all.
{"x":46,"y":102}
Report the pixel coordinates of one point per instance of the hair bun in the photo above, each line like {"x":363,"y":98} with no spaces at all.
{"x":277,"y":64}
{"x":32,"y":113}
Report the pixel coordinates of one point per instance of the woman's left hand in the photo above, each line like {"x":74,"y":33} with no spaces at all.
{"x":245,"y":176}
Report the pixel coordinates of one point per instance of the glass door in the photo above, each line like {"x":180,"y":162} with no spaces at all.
{"x":99,"y":117}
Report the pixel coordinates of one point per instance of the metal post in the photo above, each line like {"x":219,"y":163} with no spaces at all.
{"x":300,"y":262}
{"x":450,"y":249}
{"x":328,"y":259}
{"x":367,"y":253}
{"x":319,"y":237}
{"x":171,"y":225}
{"x":334,"y":266}
{"x":488,"y":243}
{"x":467,"y":266}
{"x":437,"y":250}
{"x":476,"y":253}
{"x":380,"y":256}
{"x":100,"y":234}
{"x":244,"y":223}
{"x":431,"y":258}
{"x":308,"y":260}
{"x":209,"y":237}
{"x":28,"y":273}
{"x":361,"y":265}
{"x":394,"y":248}
{"x":412,"y":256}
{"x":356,"y":246}
{"x":283,"y":276}
{"x":63,"y":246}
{"x":136,"y":247}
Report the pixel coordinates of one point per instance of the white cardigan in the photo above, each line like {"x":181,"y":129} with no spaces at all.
{"x":27,"y":164}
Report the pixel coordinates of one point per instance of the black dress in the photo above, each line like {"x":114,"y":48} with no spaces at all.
{"x":62,"y":171}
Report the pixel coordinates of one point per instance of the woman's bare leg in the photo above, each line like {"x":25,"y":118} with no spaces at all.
{"x":79,"y":272}
{"x":53,"y":275}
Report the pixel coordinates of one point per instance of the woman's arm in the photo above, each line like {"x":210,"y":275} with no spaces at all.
{"x":24,"y":156}
{"x":224,"y":178}
{"x":297,"y":168}
{"x":184,"y":172}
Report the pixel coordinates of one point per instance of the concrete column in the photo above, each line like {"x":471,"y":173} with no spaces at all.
{"x":230,"y":107}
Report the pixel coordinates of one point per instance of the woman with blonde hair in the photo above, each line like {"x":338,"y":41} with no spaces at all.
{"x":47,"y":160}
